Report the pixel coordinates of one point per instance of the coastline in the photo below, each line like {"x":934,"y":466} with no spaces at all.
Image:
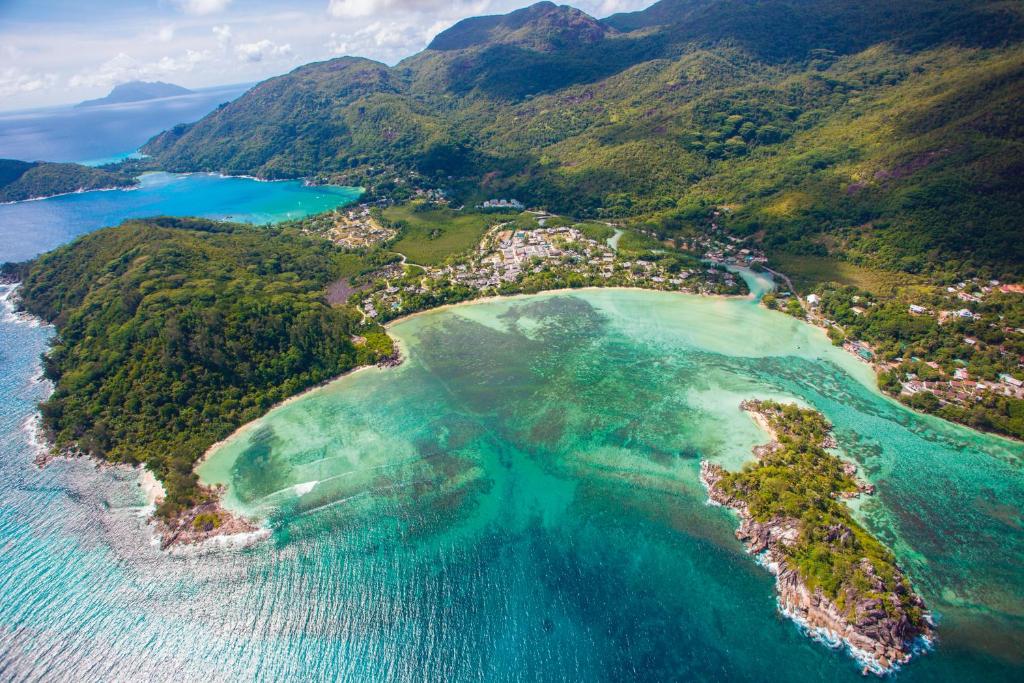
{"x":302,"y":394}
{"x":230,"y":531}
{"x":562,"y":290}
{"x":123,"y":188}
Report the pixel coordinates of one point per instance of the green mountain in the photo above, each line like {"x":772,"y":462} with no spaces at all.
{"x":888,"y":134}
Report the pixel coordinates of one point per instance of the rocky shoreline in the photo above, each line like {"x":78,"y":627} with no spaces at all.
{"x":875,"y":624}
{"x":202,"y":523}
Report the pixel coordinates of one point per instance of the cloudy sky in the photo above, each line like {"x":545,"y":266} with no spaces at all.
{"x":60,"y":51}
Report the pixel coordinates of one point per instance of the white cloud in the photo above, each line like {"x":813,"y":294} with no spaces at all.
{"x":14,"y":81}
{"x":165,"y":34}
{"x":202,"y":7}
{"x":260,"y":50}
{"x":124,"y":68}
{"x":608,"y":7}
{"x":224,"y":36}
{"x":348,"y":9}
{"x":337,"y":45}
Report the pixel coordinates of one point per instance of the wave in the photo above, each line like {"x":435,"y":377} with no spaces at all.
{"x":9,"y":312}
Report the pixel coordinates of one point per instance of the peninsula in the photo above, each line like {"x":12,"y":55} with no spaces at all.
{"x":832,"y":576}
{"x":23,"y":180}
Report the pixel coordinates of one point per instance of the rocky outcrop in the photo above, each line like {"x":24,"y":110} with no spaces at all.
{"x":876,"y":624}
{"x":202,"y":523}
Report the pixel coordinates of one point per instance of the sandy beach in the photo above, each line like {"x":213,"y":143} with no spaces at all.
{"x":151,"y":486}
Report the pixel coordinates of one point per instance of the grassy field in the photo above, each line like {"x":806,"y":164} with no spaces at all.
{"x":808,"y":271}
{"x":635,"y":243}
{"x":596,"y":231}
{"x":430,"y":237}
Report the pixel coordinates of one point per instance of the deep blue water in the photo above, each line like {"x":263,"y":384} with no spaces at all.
{"x":104,"y":133}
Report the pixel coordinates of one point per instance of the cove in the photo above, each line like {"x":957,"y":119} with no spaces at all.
{"x":521,"y":498}
{"x":32,"y":227}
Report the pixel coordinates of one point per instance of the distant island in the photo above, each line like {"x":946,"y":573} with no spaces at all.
{"x":137,"y":91}
{"x":22,"y":180}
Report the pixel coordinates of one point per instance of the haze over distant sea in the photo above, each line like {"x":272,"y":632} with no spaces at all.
{"x":104,"y":133}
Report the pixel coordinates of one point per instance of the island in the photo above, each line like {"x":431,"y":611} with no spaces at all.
{"x":832,"y":576}
{"x":137,"y":91}
{"x":24,"y":180}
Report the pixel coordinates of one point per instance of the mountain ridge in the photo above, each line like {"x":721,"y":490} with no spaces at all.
{"x":652,"y":121}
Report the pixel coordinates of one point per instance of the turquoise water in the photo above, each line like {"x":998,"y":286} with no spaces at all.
{"x":29,"y":228}
{"x":517,"y":502}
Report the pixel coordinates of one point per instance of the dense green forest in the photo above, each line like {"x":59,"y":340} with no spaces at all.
{"x":886,"y":135}
{"x":21,"y":180}
{"x":171,"y":333}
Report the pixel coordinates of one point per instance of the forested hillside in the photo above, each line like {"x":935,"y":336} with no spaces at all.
{"x":174,"y":332}
{"x":889,"y":134}
{"x":21,"y":180}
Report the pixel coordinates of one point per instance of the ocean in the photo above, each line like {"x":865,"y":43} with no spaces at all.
{"x":101,"y":134}
{"x":29,"y":228}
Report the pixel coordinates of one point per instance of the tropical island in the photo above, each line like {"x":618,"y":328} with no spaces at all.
{"x":871,"y":161}
{"x":831,"y":574}
{"x":23,"y":180}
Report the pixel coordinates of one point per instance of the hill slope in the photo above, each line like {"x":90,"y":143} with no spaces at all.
{"x":889,"y":137}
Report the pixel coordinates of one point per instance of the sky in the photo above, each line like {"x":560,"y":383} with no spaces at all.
{"x":64,"y":51}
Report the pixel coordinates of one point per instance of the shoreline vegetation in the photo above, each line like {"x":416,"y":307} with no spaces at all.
{"x":832,"y":577}
{"x":962,"y":365}
{"x":22,"y":181}
{"x":190,"y":512}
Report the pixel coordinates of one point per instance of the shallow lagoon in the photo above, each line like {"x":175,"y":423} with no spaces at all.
{"x":521,"y":498}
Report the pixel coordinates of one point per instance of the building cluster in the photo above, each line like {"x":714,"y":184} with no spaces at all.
{"x":507,"y":255}
{"x":952,"y":384}
{"x":961,"y":388}
{"x":432,"y":195}
{"x":502,"y":204}
{"x":727,"y":249}
{"x":354,"y":228}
